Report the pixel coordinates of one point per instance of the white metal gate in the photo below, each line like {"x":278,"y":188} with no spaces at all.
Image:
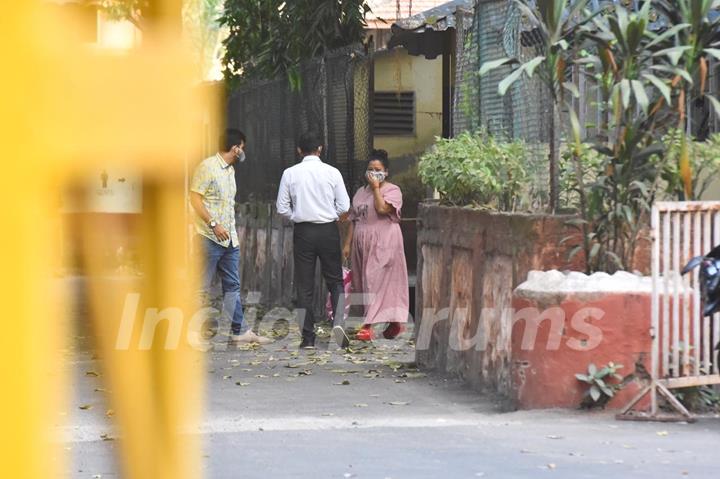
{"x":683,"y":341}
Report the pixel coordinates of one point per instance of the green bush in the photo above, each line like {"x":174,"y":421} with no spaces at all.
{"x":704,"y":164}
{"x":591,"y":163}
{"x":476,"y":169}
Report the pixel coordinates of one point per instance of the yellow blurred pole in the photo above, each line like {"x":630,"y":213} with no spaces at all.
{"x":33,"y":328}
{"x":66,"y":109}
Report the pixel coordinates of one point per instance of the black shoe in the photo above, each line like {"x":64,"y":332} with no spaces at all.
{"x":307,"y":343}
{"x":340,"y":337}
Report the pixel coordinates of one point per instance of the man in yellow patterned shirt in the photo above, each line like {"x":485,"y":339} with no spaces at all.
{"x":212,"y":197}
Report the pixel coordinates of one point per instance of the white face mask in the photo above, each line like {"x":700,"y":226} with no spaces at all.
{"x":240,"y":157}
{"x":378,"y":175}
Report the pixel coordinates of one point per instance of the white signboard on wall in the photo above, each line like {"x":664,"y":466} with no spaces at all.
{"x":109,"y":190}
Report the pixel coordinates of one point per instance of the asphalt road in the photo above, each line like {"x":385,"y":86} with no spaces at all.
{"x":274,"y":412}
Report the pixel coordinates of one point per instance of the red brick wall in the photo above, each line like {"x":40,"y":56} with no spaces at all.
{"x":471,"y":260}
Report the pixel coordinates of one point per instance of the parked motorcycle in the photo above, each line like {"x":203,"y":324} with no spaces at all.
{"x":709,"y":283}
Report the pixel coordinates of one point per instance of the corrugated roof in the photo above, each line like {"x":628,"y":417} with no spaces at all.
{"x":387,"y":10}
{"x":439,"y":18}
{"x":425,"y":33}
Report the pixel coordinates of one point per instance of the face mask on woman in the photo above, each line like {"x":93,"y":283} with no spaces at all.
{"x":377,"y":175}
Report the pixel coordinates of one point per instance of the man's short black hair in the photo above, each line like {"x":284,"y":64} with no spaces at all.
{"x":232,"y":137}
{"x":309,"y":142}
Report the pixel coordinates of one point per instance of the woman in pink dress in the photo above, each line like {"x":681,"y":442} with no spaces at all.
{"x":375,"y":242}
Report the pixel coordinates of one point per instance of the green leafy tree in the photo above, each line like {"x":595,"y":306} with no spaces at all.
{"x":638,"y":84}
{"x":697,"y":39}
{"x":200,"y":22}
{"x":201,"y":25}
{"x":644,"y":77}
{"x":131,"y":10}
{"x":269,"y":38}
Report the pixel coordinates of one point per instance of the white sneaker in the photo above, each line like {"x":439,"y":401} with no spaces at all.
{"x":340,"y":337}
{"x":250,"y":337}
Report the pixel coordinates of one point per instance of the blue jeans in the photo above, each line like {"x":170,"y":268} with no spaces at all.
{"x":225,"y":262}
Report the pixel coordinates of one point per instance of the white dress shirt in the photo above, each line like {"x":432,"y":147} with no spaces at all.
{"x":312,"y":192}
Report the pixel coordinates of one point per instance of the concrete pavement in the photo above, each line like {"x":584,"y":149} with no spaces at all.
{"x":369,"y":413}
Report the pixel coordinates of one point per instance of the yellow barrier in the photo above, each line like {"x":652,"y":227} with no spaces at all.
{"x":67,"y":108}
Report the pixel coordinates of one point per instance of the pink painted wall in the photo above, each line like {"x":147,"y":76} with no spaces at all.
{"x":543,"y":372}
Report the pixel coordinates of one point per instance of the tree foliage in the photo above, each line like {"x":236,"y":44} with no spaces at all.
{"x":201,"y":26}
{"x":645,"y":74}
{"x":269,"y":38}
{"x":131,"y":10}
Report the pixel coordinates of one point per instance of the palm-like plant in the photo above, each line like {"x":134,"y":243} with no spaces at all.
{"x":637,"y":80}
{"x":559,"y":24}
{"x":644,"y":78}
{"x":697,"y":36}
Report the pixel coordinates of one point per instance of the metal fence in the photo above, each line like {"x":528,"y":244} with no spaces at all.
{"x":683,"y":340}
{"x":332,"y":100}
{"x":523,"y":113}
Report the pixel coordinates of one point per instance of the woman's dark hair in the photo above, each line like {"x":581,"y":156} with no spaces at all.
{"x":381,"y":156}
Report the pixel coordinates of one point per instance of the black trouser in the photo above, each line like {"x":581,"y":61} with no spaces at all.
{"x":313,"y":241}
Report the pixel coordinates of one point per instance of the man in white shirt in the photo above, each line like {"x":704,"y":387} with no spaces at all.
{"x":313,"y":196}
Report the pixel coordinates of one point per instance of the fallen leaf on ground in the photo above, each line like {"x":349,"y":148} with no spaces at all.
{"x":361,"y":405}
{"x":110,"y":413}
{"x":92,"y":374}
{"x":662,"y":433}
{"x":394,"y":365}
{"x":398,"y":403}
{"x":260,"y":376}
{"x":242,"y":384}
{"x":344,"y":383}
{"x":227,"y":377}
{"x":554,"y":437}
{"x":85,"y":407}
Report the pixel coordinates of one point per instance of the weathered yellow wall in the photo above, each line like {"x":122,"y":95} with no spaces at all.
{"x":398,"y":71}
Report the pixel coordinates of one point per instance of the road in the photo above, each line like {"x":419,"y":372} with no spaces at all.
{"x":369,"y":413}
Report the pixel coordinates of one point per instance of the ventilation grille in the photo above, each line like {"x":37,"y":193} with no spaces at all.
{"x":394,"y":113}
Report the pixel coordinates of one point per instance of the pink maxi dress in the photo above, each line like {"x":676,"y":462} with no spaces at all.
{"x":379,"y":269}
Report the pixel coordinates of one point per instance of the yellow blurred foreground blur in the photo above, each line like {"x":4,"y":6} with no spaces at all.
{"x":69,"y":111}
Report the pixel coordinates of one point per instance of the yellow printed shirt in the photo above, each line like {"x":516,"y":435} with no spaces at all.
{"x":214,"y":180}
